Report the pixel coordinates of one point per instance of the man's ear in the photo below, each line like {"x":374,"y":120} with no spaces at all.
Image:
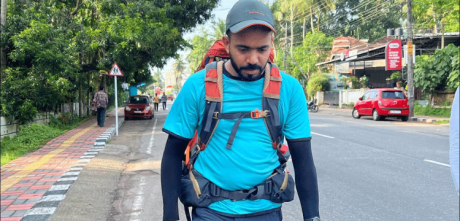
{"x":226,"y":41}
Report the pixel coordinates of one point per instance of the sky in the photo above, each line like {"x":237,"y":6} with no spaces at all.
{"x":220,"y":12}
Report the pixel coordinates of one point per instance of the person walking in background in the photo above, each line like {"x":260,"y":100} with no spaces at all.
{"x":454,"y":142}
{"x":164,"y":98}
{"x":156,"y":100}
{"x":100,"y":101}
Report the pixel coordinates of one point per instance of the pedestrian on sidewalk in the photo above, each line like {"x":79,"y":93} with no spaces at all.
{"x":101,"y":101}
{"x":240,"y":167}
{"x":164,"y":99}
{"x":454,"y":140}
{"x":156,"y":100}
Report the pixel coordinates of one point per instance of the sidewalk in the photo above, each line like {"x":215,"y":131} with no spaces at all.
{"x":32,"y":186}
{"x":416,"y":118}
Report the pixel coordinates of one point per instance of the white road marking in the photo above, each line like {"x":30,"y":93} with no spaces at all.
{"x":322,"y":135}
{"x":138,"y":201}
{"x":431,"y":161}
{"x":152,"y":138}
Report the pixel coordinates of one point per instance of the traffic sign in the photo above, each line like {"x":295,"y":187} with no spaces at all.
{"x":115,"y":71}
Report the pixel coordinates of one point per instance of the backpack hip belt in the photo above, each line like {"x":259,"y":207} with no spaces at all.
{"x":196,"y":190}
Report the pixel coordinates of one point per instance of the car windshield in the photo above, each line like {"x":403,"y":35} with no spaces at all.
{"x":138,"y":100}
{"x":393,"y":95}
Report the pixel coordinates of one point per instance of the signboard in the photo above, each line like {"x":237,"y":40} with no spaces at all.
{"x":393,"y":56}
{"x":406,"y":51}
{"x":410,"y":50}
{"x":115,"y":71}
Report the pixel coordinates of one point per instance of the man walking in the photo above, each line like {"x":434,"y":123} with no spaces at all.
{"x":164,"y":98}
{"x":238,"y":171}
{"x":100,"y":101}
{"x":156,"y":100}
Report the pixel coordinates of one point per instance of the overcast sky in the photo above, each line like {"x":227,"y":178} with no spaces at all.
{"x":218,"y":13}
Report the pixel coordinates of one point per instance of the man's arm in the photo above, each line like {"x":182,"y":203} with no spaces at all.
{"x":171,"y":172}
{"x":305,"y":177}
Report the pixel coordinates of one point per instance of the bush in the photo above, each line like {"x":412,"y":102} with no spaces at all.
{"x":317,"y":82}
{"x":28,"y":139}
{"x":431,"y":111}
{"x":33,"y":137}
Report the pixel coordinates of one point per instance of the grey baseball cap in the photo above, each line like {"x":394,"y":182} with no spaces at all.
{"x":246,"y":13}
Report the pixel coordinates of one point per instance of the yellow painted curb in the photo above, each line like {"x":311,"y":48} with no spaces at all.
{"x":15,"y":178}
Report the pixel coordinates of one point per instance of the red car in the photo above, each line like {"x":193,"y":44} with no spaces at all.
{"x":138,"y":106}
{"x":381,"y":103}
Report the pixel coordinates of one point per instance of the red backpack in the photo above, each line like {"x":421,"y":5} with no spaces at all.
{"x":217,"y":52}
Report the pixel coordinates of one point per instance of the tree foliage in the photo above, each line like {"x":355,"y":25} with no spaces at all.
{"x":317,"y":82}
{"x":438,"y":71}
{"x":53,"y":45}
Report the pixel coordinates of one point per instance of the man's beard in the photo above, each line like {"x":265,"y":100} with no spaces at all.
{"x":250,"y":77}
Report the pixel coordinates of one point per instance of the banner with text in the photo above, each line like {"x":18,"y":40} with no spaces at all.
{"x":393,"y":56}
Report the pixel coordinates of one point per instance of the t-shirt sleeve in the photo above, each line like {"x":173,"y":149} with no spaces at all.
{"x":184,"y":116}
{"x":297,"y":124}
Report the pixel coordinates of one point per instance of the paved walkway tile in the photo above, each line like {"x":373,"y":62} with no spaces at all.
{"x":33,"y":185}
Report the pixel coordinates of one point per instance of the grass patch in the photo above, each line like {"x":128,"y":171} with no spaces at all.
{"x":442,"y":122}
{"x":33,"y":137}
{"x":431,"y":111}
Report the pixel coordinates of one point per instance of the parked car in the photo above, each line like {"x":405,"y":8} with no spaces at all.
{"x":139,"y":107}
{"x":170,"y":97}
{"x":381,"y":103}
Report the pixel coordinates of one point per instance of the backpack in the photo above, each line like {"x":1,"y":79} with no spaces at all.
{"x":217,"y":52}
{"x":196,"y":190}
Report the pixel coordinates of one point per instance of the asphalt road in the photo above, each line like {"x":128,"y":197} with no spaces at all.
{"x":367,"y":170}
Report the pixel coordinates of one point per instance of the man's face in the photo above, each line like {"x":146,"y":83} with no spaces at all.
{"x":249,"y":50}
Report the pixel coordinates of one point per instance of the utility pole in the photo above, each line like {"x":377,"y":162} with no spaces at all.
{"x":285,"y":48}
{"x":410,"y":71}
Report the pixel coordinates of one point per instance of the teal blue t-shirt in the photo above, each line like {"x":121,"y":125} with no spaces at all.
{"x":251,"y":159}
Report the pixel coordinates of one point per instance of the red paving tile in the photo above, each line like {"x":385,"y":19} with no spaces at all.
{"x":31,"y":196}
{"x":20,"y":207}
{"x":22,"y":184}
{"x":11,"y":218}
{"x":6,"y":202}
{"x":39,"y":187}
{"x":13,"y":192}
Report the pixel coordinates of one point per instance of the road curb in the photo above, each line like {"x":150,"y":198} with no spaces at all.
{"x":46,"y":206}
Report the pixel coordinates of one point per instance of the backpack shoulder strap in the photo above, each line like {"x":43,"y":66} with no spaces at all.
{"x":214,"y":91}
{"x":270,"y":101}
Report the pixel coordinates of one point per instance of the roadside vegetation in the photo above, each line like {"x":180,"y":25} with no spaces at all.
{"x":34,"y":136}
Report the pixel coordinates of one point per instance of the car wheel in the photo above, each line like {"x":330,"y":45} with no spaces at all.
{"x":375,"y":115}
{"x":404,"y":118}
{"x":355,"y":114}
{"x":126,"y":118}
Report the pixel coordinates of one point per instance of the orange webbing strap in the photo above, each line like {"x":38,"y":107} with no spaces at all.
{"x":189,"y":148}
{"x":273,"y":79}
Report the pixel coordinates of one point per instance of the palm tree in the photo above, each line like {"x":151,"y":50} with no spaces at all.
{"x":219,"y":28}
{"x":178,"y":68}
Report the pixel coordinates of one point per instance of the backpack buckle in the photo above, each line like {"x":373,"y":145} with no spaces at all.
{"x":214,"y":115}
{"x":255,"y":114}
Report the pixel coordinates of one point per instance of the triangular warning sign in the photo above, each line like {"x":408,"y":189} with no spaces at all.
{"x":115,"y":71}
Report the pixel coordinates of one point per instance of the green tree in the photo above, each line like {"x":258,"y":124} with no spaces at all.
{"x":178,"y":70}
{"x":434,"y":14}
{"x":314,"y":49}
{"x":200,"y":44}
{"x":431,"y":73}
{"x":317,"y":82}
{"x":53,"y":46}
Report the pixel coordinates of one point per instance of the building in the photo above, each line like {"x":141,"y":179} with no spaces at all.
{"x":353,"y":57}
